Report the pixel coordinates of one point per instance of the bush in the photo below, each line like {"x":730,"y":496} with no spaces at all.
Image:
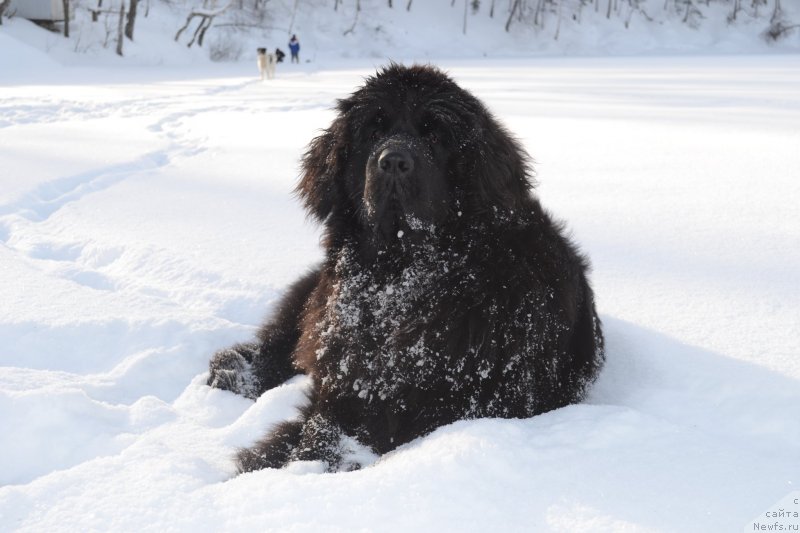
{"x":225,"y":48}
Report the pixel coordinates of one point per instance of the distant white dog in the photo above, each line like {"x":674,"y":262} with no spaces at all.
{"x":266,"y":63}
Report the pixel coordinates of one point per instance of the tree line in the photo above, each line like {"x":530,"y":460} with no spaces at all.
{"x":118,"y":17}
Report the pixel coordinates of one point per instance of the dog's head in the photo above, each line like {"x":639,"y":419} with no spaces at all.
{"x":412,"y":149}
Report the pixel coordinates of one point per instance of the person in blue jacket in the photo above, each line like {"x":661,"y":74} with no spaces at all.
{"x":294,"y":48}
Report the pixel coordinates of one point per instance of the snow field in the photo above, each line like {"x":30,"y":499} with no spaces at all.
{"x":146,"y":222}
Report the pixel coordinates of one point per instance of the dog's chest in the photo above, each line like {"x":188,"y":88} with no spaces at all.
{"x":378,"y":334}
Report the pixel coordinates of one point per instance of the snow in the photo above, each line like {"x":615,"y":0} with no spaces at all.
{"x":147,"y":220}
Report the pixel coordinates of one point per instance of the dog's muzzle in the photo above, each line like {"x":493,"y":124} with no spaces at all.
{"x":401,"y":184}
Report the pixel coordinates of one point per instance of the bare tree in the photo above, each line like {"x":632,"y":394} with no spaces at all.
{"x":778,"y":24}
{"x":107,"y":28}
{"x":120,"y":28}
{"x":3,"y":6}
{"x":779,"y":28}
{"x":511,"y":15}
{"x":737,"y":6}
{"x":635,"y":7}
{"x":691,"y":11}
{"x":355,"y":20}
{"x":66,"y":18}
{"x":131,"y":19}
{"x":206,"y":17}
{"x":294,"y":14}
{"x":96,"y":12}
{"x":558,"y":25}
{"x":538,"y":14}
{"x":756,"y":4}
{"x":777,"y":13}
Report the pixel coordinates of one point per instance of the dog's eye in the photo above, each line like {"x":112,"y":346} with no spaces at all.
{"x":429,"y":131}
{"x":375,"y":135}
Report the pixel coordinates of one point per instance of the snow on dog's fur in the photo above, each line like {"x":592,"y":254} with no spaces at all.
{"x":446,"y":293}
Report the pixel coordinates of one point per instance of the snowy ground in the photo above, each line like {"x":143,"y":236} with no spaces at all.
{"x":147,"y":221}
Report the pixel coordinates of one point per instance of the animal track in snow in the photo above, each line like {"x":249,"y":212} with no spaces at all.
{"x":47,"y":198}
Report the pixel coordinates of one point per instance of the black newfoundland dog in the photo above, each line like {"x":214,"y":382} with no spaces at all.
{"x":447,"y":292}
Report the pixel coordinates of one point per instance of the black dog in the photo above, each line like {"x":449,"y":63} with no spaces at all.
{"x":447,"y":292}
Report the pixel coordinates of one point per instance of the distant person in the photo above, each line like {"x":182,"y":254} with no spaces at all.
{"x":279,"y":55}
{"x":294,"y":48}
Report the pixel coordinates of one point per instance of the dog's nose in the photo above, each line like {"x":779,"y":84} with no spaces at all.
{"x":396,"y":161}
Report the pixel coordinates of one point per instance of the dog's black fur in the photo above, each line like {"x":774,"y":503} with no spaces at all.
{"x":447,"y":292}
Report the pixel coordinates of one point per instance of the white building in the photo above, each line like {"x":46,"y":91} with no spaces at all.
{"x":37,"y":9}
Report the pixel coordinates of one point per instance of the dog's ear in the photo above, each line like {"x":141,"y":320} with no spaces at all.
{"x":321,"y":170}
{"x":501,"y":167}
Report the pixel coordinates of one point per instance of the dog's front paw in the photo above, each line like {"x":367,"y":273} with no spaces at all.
{"x":229,"y":370}
{"x":354,"y":455}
